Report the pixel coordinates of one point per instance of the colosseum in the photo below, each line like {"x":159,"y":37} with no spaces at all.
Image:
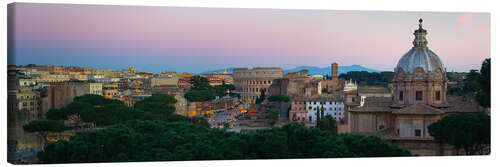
{"x":250,"y":82}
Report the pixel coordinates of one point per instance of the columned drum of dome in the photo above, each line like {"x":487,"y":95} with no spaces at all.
{"x":419,"y":76}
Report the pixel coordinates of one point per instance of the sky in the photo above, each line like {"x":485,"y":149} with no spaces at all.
{"x":156,"y":39}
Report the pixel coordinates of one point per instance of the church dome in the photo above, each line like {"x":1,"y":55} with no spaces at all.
{"x":420,"y":55}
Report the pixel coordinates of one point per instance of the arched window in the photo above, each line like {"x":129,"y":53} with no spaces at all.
{"x":400,"y":95}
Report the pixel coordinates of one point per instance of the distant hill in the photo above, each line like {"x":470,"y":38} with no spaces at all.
{"x":327,"y":70}
{"x":229,"y":70}
{"x":312,"y":70}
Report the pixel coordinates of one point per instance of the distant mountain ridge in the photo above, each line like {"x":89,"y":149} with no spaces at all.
{"x":312,"y":70}
{"x":327,"y":70}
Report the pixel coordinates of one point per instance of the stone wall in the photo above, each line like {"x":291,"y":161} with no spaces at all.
{"x":21,"y":140}
{"x":425,"y":147}
{"x":59,"y":95}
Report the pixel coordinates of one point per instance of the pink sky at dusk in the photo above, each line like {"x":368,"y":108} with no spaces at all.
{"x":199,"y":39}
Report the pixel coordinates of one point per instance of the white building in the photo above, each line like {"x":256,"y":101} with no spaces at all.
{"x":327,"y":105}
{"x":350,"y":86}
{"x":96,"y":88}
{"x":27,"y":82}
{"x":317,"y":77}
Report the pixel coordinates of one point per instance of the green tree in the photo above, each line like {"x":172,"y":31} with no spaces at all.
{"x":471,"y":84}
{"x":279,"y":98}
{"x":222,"y":90}
{"x":199,"y":121}
{"x":95,"y":100}
{"x":226,"y":124}
{"x":371,"y":146}
{"x":199,"y":83}
{"x":364,"y":78}
{"x":274,"y":116}
{"x":199,"y":95}
{"x":104,"y":112}
{"x":484,"y":94}
{"x":328,"y":123}
{"x":138,"y":140}
{"x":324,"y":90}
{"x":43,"y":127}
{"x":470,"y":132}
{"x":56,"y":114}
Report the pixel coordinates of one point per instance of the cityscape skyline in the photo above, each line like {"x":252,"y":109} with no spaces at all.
{"x":195,"y":40}
{"x":101,"y":83}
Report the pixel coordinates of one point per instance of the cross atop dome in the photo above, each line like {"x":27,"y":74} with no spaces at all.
{"x":420,"y":23}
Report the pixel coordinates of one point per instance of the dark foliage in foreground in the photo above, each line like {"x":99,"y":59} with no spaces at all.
{"x":163,"y":141}
{"x":471,"y":132}
{"x":484,"y":94}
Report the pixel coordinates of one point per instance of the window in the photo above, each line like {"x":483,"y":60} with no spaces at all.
{"x":397,"y":132}
{"x":310,"y":118}
{"x":352,"y":99}
{"x":417,"y":132}
{"x":381,"y":127}
{"x":438,"y":95}
{"x":400,"y":95}
{"x":418,"y":95}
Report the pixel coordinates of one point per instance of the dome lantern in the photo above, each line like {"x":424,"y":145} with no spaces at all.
{"x":420,"y":33}
{"x":420,"y":55}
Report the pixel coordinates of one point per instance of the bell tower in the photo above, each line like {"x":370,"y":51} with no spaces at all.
{"x":335,"y":70}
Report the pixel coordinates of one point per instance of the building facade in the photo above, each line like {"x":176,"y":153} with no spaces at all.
{"x":95,"y":88}
{"x":58,"y":95}
{"x":305,"y":109}
{"x":110,"y":90}
{"x":167,"y":80}
{"x":418,"y":99}
{"x":250,"y":82}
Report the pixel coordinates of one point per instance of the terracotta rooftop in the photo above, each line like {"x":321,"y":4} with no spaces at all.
{"x":374,"y":104}
{"x":418,"y":109}
{"x":373,"y":90}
